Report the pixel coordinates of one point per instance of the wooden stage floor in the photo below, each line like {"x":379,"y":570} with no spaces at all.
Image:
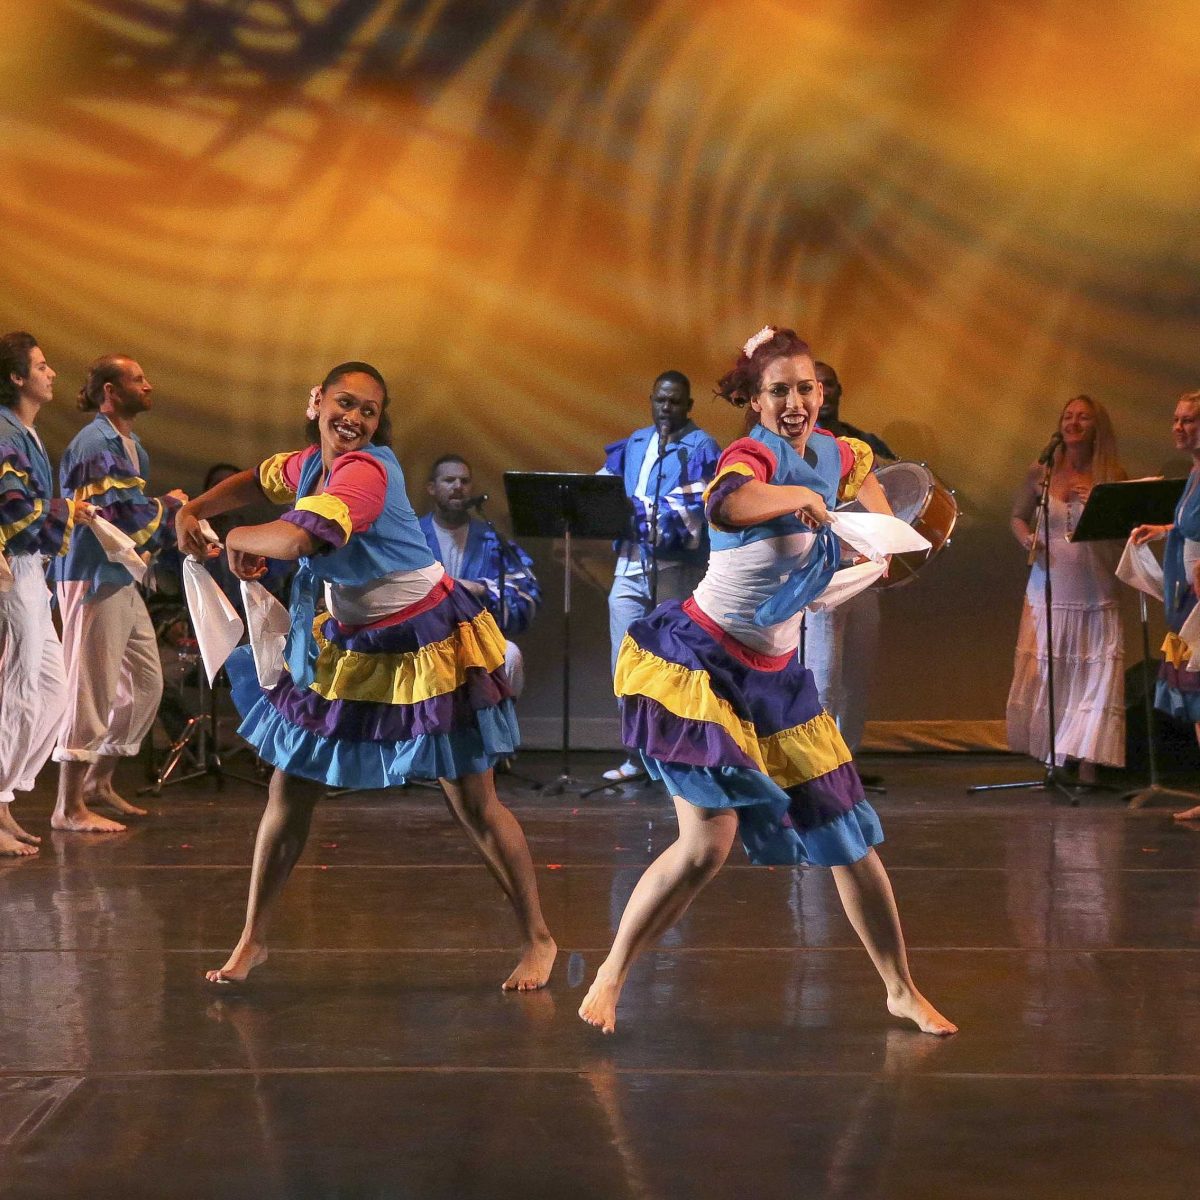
{"x":375,"y":1056}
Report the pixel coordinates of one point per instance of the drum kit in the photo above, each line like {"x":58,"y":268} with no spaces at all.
{"x":919,"y":499}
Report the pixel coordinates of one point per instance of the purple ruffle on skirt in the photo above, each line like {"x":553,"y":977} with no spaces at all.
{"x":364,"y":721}
{"x":771,"y":700}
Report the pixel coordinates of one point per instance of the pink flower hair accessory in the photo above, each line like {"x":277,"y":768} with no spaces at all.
{"x":765,"y":334}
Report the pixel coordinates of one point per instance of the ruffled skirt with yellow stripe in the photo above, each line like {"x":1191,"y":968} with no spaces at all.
{"x":721,"y":733}
{"x":1178,"y":689}
{"x":423,"y":695}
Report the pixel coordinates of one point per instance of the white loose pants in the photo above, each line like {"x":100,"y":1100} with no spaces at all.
{"x":840,"y":646}
{"x":32,"y":679}
{"x":114,"y":677}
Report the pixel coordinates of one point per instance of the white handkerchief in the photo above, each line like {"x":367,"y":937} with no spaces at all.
{"x":6,"y":575}
{"x":876,"y":535}
{"x":216,"y":623}
{"x":846,"y":583}
{"x":119,"y":548}
{"x":1189,"y":631}
{"x":269,"y":623}
{"x":1139,"y":568}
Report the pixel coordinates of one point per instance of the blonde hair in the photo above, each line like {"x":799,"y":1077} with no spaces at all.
{"x":1106,"y":465}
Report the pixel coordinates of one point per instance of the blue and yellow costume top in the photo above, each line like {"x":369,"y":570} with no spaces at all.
{"x":725,"y":724}
{"x":96,"y":469}
{"x":32,"y":519}
{"x":415,"y":690}
{"x":481,"y":563}
{"x":1178,"y":689}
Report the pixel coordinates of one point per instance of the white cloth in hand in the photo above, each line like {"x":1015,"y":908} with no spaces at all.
{"x":269,"y":623}
{"x":846,"y":583}
{"x":1139,"y":568}
{"x":876,"y":535}
{"x":119,"y":548}
{"x":217,"y":626}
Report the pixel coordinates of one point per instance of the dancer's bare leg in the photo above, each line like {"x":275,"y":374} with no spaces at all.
{"x":10,"y":828}
{"x":282,"y":832}
{"x":71,"y":812}
{"x":662,"y":895}
{"x":98,"y":788}
{"x":866,"y":894}
{"x":498,"y":837}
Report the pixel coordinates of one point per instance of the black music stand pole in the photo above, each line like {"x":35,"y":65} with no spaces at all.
{"x":566,"y":505}
{"x":1113,"y":511}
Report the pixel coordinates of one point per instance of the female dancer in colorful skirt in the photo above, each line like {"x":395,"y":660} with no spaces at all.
{"x":1178,"y":691}
{"x":402,"y":678}
{"x":713,"y":695}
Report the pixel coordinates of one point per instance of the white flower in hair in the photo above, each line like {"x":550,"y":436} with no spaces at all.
{"x":765,"y":334}
{"x":311,"y":411}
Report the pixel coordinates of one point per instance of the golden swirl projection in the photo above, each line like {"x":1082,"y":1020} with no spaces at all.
{"x":522,"y":212}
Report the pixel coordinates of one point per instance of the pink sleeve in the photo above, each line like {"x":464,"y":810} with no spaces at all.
{"x":748,"y":456}
{"x":360,"y":483}
{"x":294,"y":464}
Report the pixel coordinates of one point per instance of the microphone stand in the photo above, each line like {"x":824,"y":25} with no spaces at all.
{"x":505,"y":548}
{"x":1051,"y":780}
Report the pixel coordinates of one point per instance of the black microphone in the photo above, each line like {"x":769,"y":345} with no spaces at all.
{"x":1047,"y":456}
{"x":477,"y":501}
{"x":664,"y":432}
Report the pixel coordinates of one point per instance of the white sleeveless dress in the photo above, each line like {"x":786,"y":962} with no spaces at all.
{"x":1089,"y":656}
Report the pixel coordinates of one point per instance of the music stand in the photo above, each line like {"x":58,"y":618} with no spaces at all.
{"x":1113,"y":510}
{"x":553,"y":504}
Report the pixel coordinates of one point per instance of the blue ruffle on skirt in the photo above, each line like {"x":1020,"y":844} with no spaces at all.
{"x":342,"y":762}
{"x":768,"y":833}
{"x":1183,"y":706}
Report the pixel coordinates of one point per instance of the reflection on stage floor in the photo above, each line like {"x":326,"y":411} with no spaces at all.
{"x":375,"y":1055}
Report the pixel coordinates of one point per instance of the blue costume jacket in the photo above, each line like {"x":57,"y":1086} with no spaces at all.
{"x":686,"y":468}
{"x":96,"y":469}
{"x":481,"y":564}
{"x":1178,"y":597}
{"x":32,"y":519}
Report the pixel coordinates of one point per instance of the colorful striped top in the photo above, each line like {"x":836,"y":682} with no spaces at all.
{"x":32,"y":519}
{"x":96,"y":469}
{"x":749,"y":566}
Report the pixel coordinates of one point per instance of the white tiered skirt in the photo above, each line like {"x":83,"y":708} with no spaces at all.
{"x":1089,"y":678}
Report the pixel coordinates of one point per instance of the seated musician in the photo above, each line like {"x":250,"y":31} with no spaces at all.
{"x":472,"y":554}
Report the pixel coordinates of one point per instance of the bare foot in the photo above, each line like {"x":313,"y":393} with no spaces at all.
{"x":1191,"y":814}
{"x":241,"y":962}
{"x":914,"y":1007}
{"x":110,"y":799}
{"x":8,"y":824}
{"x":14,"y":847}
{"x":599,"y":1007}
{"x":533,"y":971}
{"x":85,"y":821}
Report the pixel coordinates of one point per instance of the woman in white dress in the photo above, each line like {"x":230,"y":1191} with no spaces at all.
{"x":1088,"y":649}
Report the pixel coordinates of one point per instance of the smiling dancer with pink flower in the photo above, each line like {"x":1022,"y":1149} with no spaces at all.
{"x":714,"y":698}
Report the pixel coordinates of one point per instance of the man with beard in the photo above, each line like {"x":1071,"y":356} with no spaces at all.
{"x":472,"y":554}
{"x":114,"y":677}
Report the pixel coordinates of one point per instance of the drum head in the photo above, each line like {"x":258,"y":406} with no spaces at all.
{"x":907,"y":486}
